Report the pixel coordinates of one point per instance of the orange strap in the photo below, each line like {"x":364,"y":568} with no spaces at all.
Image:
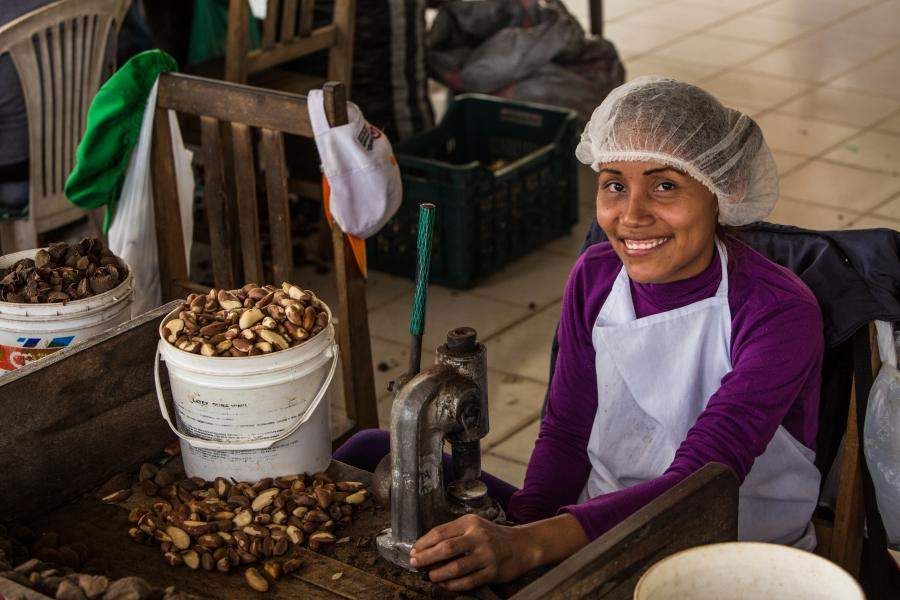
{"x":357,"y":245}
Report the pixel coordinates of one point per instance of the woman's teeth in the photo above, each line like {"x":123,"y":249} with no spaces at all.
{"x":644,"y":244}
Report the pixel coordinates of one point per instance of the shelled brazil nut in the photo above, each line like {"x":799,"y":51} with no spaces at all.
{"x":250,"y":321}
{"x":62,"y":273}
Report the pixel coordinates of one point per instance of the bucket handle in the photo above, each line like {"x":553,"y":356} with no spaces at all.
{"x":196,"y":442}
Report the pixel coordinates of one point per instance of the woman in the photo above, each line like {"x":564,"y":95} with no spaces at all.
{"x":678,"y":346}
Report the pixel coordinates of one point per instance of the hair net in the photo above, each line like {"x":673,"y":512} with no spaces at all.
{"x":677,"y":124}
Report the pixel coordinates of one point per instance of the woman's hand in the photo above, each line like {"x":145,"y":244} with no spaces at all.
{"x":472,"y":551}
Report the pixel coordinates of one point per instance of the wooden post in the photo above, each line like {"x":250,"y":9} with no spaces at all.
{"x":238,"y":41}
{"x":353,"y":326}
{"x":169,"y":242}
{"x":340,"y":57}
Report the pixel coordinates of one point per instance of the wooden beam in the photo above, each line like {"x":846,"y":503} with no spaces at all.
{"x":169,"y":237}
{"x":702,"y":509}
{"x":353,"y":315}
{"x":248,"y":214}
{"x":78,"y":419}
{"x":319,"y":39}
{"x":215,"y":198}
{"x":225,"y":101}
{"x":272,"y":151}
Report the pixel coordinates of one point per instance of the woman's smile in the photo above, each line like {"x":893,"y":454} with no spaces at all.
{"x":642,"y":246}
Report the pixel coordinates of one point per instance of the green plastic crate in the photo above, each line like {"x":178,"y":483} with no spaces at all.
{"x":485,"y":218}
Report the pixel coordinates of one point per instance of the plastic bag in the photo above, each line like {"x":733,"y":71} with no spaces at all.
{"x":523,"y":50}
{"x":881,"y":436}
{"x":132,"y":234}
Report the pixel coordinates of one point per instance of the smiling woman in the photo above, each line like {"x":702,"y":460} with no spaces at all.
{"x":678,"y":346}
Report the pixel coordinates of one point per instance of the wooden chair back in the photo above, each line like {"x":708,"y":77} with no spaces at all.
{"x":59,"y":52}
{"x":230,"y":116}
{"x":288,"y":34}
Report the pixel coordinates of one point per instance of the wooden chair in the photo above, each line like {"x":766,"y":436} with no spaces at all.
{"x":59,"y":52}
{"x":230,"y":200}
{"x":287,"y":35}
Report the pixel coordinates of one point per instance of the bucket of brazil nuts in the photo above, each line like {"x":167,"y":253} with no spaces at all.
{"x":31,"y":331}
{"x":254,"y":416}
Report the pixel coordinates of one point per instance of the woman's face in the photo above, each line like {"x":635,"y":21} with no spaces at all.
{"x":660,"y":221}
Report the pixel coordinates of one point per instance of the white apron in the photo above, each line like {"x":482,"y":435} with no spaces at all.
{"x":655,"y":376}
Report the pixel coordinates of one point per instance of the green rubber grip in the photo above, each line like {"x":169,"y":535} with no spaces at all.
{"x":423,"y":264}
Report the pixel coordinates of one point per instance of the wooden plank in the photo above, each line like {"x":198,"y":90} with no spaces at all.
{"x":237,"y":41}
{"x":169,"y":240}
{"x":215,"y":199}
{"x":245,"y":188}
{"x":270,"y":24}
{"x":288,"y":20}
{"x":272,"y":151}
{"x":340,"y":58}
{"x":847,"y":534}
{"x":232,"y":102}
{"x":321,"y":38}
{"x":353,"y":333}
{"x":79,"y":421}
{"x":702,"y":509}
{"x":307,"y":12}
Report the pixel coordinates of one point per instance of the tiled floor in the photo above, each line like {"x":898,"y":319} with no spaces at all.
{"x":820,"y":76}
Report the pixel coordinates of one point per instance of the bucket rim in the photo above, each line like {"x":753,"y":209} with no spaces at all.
{"x":317,"y":339}
{"x":80,"y":307}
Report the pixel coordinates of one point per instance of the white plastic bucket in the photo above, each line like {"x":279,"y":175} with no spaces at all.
{"x":746,"y":571}
{"x":251,"y":417}
{"x":31,"y":331}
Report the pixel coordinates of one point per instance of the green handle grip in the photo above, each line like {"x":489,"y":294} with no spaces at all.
{"x":423,"y":253}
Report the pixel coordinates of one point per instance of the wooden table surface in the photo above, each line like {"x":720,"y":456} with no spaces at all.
{"x":364,"y":574}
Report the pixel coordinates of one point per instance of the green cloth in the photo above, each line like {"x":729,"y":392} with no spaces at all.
{"x":209,"y":31}
{"x":113,"y":126}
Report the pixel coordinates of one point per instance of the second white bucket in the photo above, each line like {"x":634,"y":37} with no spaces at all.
{"x":253,"y":417}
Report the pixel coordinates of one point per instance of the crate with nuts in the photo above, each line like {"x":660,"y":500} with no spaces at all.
{"x":250,"y":321}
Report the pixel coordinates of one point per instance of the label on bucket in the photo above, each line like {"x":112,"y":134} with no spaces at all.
{"x":30,"y":350}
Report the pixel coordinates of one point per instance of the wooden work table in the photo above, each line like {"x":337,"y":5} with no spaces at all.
{"x":87,"y":413}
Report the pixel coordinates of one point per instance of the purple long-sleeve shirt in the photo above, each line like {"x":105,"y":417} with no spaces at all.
{"x":776,"y":354}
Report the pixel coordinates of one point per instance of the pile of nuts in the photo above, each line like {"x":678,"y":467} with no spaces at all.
{"x":246,"y":322}
{"x":42,"y":563}
{"x":222,"y":525}
{"x":63,"y":272}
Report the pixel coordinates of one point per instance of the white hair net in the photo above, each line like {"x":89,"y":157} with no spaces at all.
{"x":659,"y":119}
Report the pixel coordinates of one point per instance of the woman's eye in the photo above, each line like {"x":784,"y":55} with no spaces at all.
{"x":615,"y":186}
{"x":665,"y":186}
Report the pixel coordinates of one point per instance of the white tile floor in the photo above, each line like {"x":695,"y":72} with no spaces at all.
{"x":821,"y":78}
